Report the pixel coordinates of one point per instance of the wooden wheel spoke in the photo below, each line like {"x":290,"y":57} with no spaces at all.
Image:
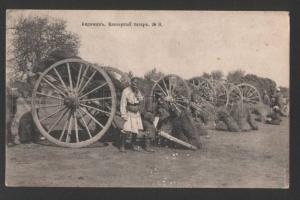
{"x":70,"y":76}
{"x":76,"y":127}
{"x":78,"y":78}
{"x":68,"y":138}
{"x":180,"y":105}
{"x":58,"y":120}
{"x":247,"y":91}
{"x":175,"y":106}
{"x":95,"y":120}
{"x":85,"y":125}
{"x":181,"y":101}
{"x":91,"y":107}
{"x":50,"y":96}
{"x":173,"y":87}
{"x":162,"y":89}
{"x":60,"y":79}
{"x":64,"y":129}
{"x":48,"y":106}
{"x":163,"y":80}
{"x":252,"y":94}
{"x":87,"y":82}
{"x":82,"y":77}
{"x":93,"y":90}
{"x":97,"y":99}
{"x":57,"y":111}
{"x":54,"y":87}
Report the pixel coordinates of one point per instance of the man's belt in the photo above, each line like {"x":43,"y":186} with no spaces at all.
{"x":133,"y":104}
{"x":133,"y":107}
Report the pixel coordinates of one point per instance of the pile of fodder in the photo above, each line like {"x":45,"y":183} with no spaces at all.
{"x":242,"y":113}
{"x":225,"y":122}
{"x":239,"y":113}
{"x":53,"y":57}
{"x":145,"y":86}
{"x":261,"y":111}
{"x":203,"y":110}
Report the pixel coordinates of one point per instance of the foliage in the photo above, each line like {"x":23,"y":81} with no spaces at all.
{"x":206,"y":75}
{"x":235,"y":76}
{"x":153,"y":75}
{"x":217,"y":75}
{"x":130,"y":74}
{"x":260,"y":83}
{"x":35,"y":38}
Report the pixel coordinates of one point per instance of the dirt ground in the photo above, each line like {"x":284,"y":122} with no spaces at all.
{"x":256,"y":159}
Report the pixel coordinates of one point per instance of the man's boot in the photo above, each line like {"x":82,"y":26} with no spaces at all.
{"x":122,"y":142}
{"x":135,"y":146}
{"x":148,"y":146}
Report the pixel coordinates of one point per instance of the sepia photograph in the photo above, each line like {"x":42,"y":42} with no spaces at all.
{"x":147,"y":99}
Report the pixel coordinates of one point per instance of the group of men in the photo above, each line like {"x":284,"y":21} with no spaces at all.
{"x":140,"y":127}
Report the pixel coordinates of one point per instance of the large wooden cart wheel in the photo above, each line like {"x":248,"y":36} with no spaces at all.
{"x":250,"y":94}
{"x":210,"y":90}
{"x":173,"y":90}
{"x":73,"y":103}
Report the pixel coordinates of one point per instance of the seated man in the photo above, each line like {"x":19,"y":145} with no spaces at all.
{"x":274,"y":116}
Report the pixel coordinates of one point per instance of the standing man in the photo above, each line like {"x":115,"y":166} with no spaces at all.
{"x":11,"y":110}
{"x":266,"y":99}
{"x":130,"y":112}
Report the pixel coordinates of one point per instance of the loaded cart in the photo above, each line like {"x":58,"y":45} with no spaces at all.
{"x":74,"y":102}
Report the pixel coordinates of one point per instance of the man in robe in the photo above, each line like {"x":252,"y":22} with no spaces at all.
{"x":130,"y":112}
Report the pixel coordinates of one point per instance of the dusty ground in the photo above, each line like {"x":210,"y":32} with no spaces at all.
{"x":248,"y":159}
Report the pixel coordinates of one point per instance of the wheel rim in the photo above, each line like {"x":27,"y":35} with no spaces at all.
{"x":173,"y":90}
{"x":73,"y":103}
{"x":250,"y":94}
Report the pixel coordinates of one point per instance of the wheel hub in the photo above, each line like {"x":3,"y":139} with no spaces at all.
{"x":72,"y":102}
{"x":169,"y":98}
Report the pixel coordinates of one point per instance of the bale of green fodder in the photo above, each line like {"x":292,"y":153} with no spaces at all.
{"x":226,"y":122}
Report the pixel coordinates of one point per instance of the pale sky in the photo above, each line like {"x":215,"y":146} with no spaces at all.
{"x":187,"y":44}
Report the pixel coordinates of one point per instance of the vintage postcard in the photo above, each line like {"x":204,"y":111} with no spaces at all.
{"x":180,"y":99}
